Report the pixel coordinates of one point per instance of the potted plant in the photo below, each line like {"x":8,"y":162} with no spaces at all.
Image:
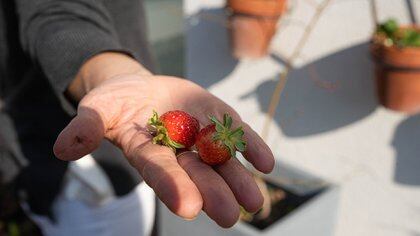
{"x":396,"y":52}
{"x":252,"y":25}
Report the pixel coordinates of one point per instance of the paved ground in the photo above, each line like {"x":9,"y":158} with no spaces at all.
{"x":328,"y":122}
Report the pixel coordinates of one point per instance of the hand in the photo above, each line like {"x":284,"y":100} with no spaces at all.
{"x":119,"y":108}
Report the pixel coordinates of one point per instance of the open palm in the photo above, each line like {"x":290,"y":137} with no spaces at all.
{"x":119,"y":110}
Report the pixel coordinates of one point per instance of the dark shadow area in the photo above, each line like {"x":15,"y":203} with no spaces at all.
{"x":327,"y":94}
{"x":208,"y":52}
{"x":406,"y":143}
{"x":283,"y":202}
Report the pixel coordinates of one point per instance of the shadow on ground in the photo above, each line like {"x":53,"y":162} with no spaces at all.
{"x":327,"y":94}
{"x":209,"y":38}
{"x":406,"y":143}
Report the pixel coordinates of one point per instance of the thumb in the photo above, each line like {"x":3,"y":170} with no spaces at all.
{"x":81,"y":136}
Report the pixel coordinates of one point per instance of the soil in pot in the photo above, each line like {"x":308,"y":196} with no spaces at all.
{"x":283,"y":202}
{"x":252,"y":25}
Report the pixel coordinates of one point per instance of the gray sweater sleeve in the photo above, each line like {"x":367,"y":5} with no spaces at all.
{"x":60,"y":35}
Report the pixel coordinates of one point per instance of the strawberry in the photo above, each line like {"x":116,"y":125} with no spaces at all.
{"x":175,"y":129}
{"x":217,"y":143}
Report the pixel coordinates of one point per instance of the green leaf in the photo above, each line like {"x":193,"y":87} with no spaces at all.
{"x":390,"y":27}
{"x":410,"y":38}
{"x":237,"y":133}
{"x":175,"y":144}
{"x":155,"y":116}
{"x":416,"y":43}
{"x":229,"y":121}
{"x":231,"y":148}
{"x":219,"y":126}
{"x":401,"y":37}
{"x":215,"y":120}
{"x":172,"y":144}
{"x":158,"y":138}
{"x":154,"y":120}
{"x":241,"y":146}
{"x":233,"y":140}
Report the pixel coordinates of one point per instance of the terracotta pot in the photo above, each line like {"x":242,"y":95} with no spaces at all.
{"x":253,"y":24}
{"x":397,"y":75}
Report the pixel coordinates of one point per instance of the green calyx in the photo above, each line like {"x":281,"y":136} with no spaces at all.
{"x":160,"y":133}
{"x":232,"y":139}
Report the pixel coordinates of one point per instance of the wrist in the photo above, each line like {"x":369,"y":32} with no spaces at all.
{"x":100,"y":68}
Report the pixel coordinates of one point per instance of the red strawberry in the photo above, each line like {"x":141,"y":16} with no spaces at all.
{"x":175,"y":129}
{"x":217,"y":143}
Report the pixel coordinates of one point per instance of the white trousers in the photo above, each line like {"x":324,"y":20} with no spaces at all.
{"x":87,"y":206}
{"x":131,"y":215}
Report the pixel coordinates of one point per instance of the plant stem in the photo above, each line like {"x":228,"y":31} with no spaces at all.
{"x":274,"y":102}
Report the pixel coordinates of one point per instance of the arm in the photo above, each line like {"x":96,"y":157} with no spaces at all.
{"x":117,"y":96}
{"x":61,"y":35}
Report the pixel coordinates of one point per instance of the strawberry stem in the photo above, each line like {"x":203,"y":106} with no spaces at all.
{"x":233,"y":140}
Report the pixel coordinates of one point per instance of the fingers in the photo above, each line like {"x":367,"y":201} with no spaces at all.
{"x":257,"y":151}
{"x":81,"y":136}
{"x":242,"y":183}
{"x":161,"y":171}
{"x":219,"y":202}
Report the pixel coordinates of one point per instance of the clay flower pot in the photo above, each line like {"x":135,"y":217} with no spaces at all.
{"x":252,"y":25}
{"x":397,"y":74}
